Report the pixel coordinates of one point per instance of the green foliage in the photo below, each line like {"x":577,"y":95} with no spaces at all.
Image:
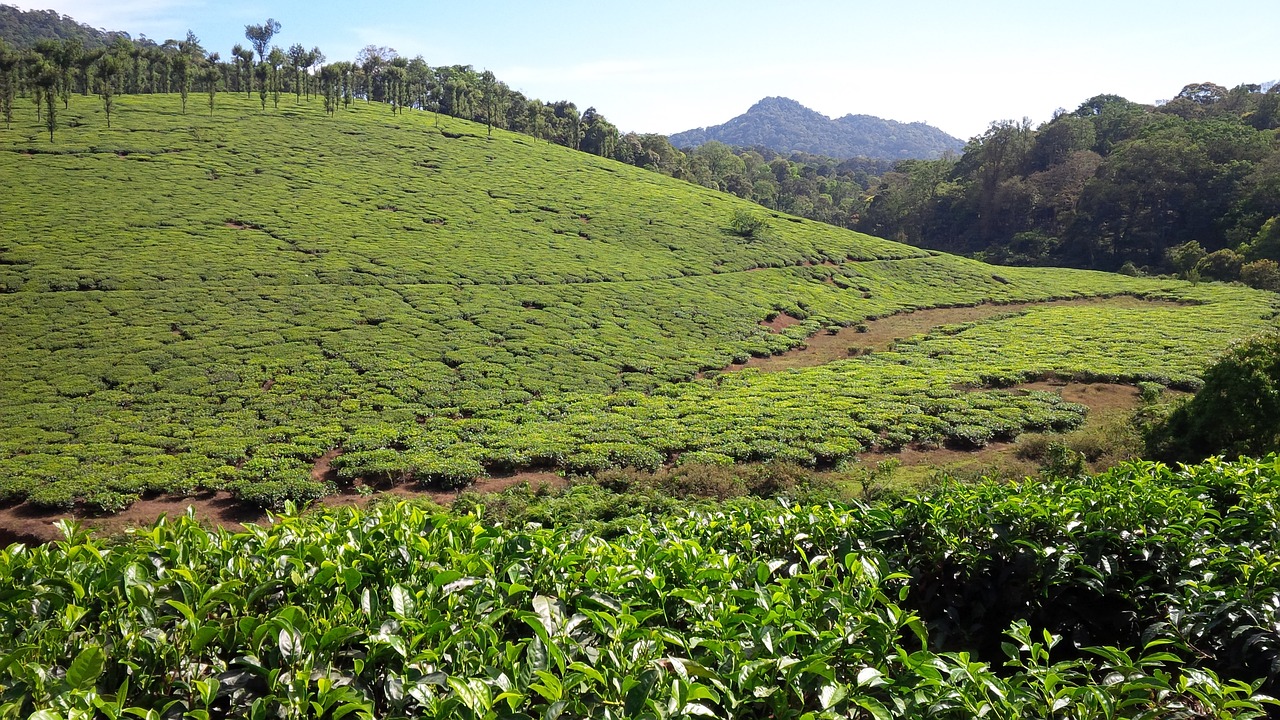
{"x":1187,"y":256}
{"x":1162,"y":580}
{"x":1221,"y":265}
{"x":748,"y":225}
{"x":1237,"y":411}
{"x":1114,"y":182}
{"x":1262,"y":274}
{"x":448,"y":308}
{"x":23,"y":29}
{"x":1266,"y":244}
{"x":784,"y":125}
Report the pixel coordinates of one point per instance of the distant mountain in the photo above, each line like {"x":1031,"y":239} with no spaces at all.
{"x":786,"y":126}
{"x":24,"y":29}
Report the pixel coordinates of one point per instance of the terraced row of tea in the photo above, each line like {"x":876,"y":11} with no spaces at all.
{"x":201,"y":302}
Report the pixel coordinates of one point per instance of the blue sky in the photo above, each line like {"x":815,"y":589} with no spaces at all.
{"x":665,"y":66}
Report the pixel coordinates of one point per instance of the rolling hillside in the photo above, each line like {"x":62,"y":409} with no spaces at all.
{"x":786,"y":126}
{"x":199,"y":302}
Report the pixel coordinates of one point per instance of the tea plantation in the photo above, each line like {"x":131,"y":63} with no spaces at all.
{"x":1141,"y":593}
{"x":215,"y":302}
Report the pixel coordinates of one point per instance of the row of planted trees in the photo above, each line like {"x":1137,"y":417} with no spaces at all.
{"x":52,"y":70}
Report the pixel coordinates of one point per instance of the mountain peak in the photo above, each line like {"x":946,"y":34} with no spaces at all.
{"x":778,"y":103}
{"x":784,"y":125}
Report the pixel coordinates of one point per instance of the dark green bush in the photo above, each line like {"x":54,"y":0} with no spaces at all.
{"x":1235,"y":412}
{"x":274,"y":493}
{"x":748,"y":225}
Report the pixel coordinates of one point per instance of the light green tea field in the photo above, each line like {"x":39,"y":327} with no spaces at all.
{"x":217,"y":301}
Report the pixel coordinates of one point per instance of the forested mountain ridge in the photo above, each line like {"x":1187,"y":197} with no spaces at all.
{"x":1191,"y":185}
{"x":22,"y":29}
{"x":786,"y":126}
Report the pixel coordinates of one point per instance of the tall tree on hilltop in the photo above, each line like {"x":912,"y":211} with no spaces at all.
{"x":211,"y":75}
{"x":242,"y":71}
{"x":419,"y":82}
{"x":108,"y":78}
{"x":30,"y":64}
{"x":489,"y":98}
{"x":60,"y":55}
{"x":371,"y":59}
{"x":160,"y":66}
{"x":314,"y":58}
{"x":137,"y":57}
{"x":599,"y":136}
{"x":182,"y":68}
{"x":263,"y":73}
{"x":41,"y":54}
{"x":393,"y":81}
{"x":276,"y":60}
{"x":84,"y":69}
{"x":8,"y":83}
{"x":191,"y":47}
{"x":47,"y":78}
{"x":260,"y":36}
{"x":297,"y":61}
{"x":568,"y":124}
{"x":330,"y":87}
{"x":992,"y":158}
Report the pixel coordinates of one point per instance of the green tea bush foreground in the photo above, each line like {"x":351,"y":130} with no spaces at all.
{"x":1140,"y":593}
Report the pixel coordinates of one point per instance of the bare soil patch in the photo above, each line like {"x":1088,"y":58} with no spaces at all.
{"x":354,"y":497}
{"x":781,"y":322}
{"x":1101,"y":398}
{"x":26,"y":524}
{"x":323,"y":469}
{"x":880,"y":335}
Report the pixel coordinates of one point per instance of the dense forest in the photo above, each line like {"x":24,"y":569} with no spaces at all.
{"x":784,"y":125}
{"x":26,"y":28}
{"x":1191,"y":185}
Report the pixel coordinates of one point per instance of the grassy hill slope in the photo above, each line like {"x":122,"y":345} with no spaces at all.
{"x":205,"y":302}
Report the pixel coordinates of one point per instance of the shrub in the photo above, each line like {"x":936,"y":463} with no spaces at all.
{"x":746,"y":224}
{"x":1061,"y":461}
{"x":1150,"y":392}
{"x":1261,"y":274}
{"x":444,"y":472}
{"x":1236,"y":411}
{"x":775,"y":478}
{"x":273,"y":494}
{"x":1221,"y":265}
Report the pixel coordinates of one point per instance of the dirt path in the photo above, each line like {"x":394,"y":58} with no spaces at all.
{"x":25,"y":524}
{"x":880,"y":335}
